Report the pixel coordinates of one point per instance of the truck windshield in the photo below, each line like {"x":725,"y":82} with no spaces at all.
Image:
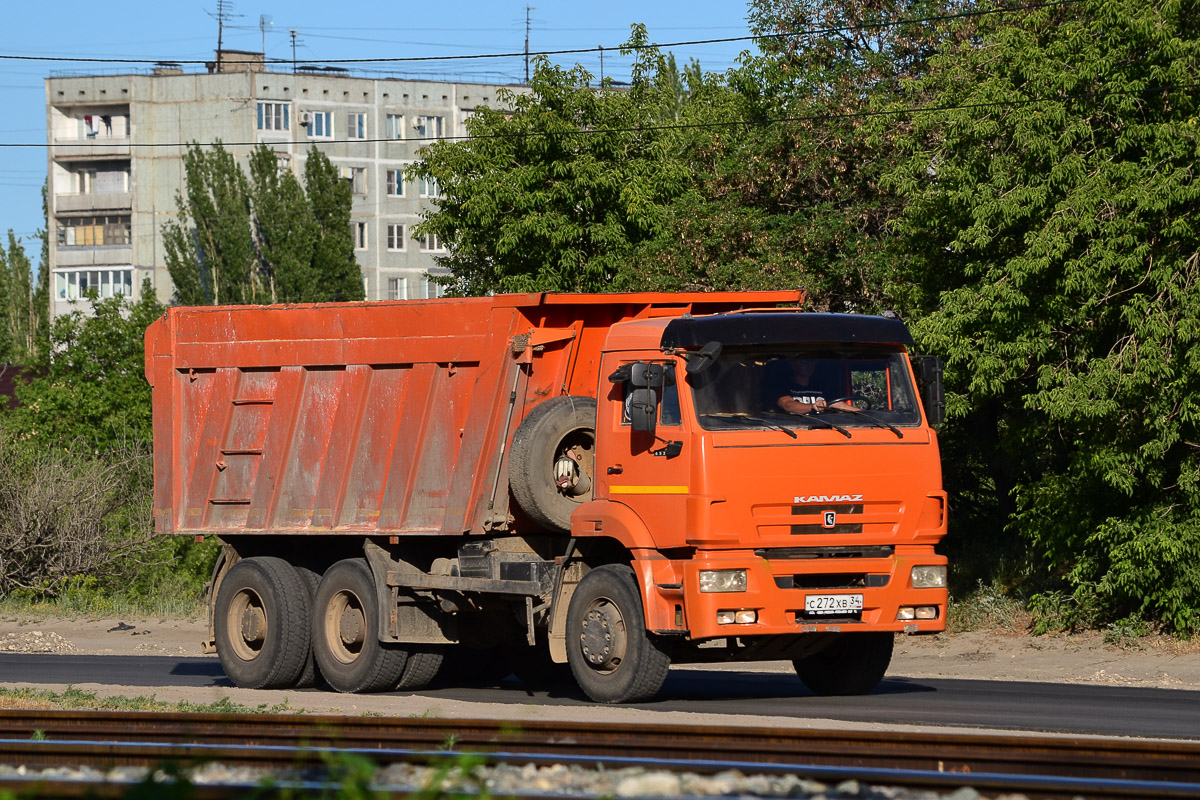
{"x":846,"y":387}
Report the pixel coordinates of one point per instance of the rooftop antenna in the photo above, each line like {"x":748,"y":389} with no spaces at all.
{"x":264,"y":22}
{"x":224,"y":13}
{"x":292,"y":32}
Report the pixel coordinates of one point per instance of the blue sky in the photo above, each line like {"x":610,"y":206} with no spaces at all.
{"x":172,"y":30}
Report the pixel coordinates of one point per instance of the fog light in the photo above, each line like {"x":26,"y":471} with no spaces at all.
{"x":740,"y":617}
{"x":929,"y":577}
{"x":906,"y":612}
{"x":927,"y":612}
{"x":723,"y":580}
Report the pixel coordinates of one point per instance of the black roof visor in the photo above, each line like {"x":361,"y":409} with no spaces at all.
{"x":771,"y":328}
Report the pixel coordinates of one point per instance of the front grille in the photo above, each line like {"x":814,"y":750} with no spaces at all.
{"x":832,"y":580}
{"x":821,"y":527}
{"x":836,"y":551}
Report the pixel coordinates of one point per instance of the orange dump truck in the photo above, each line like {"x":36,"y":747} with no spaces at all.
{"x":610,"y":482}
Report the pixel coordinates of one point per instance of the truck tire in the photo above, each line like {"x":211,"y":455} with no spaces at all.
{"x":422,"y":666}
{"x":261,"y":623}
{"x":558,"y":425}
{"x":854,"y":663}
{"x":612,"y":656}
{"x":310,"y":676}
{"x":345,"y":632}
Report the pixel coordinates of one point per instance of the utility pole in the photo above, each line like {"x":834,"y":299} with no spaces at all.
{"x":293,"y":35}
{"x":527,"y":10}
{"x":601,"y":65}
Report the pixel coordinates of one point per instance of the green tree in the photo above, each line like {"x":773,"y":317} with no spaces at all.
{"x":210,"y":246}
{"x":260,"y":238}
{"x":286,"y":230}
{"x":555,"y":191}
{"x":794,"y":197}
{"x":1050,"y":245}
{"x":335,"y":275}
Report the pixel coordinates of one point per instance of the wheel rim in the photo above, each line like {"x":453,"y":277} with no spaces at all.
{"x":578,"y":446}
{"x":602,"y":637}
{"x":247,"y":620}
{"x":345,"y":626}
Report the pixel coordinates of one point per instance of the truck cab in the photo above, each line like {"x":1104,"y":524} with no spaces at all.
{"x":763,"y":533}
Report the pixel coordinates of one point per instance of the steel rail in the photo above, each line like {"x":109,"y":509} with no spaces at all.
{"x":1040,"y":765}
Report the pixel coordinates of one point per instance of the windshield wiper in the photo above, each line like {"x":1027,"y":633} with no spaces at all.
{"x":772,"y":425}
{"x":878,"y":423}
{"x":827,"y":424}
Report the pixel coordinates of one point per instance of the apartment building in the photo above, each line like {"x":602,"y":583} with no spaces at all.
{"x":116,"y":147}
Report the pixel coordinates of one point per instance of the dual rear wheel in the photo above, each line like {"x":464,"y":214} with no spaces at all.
{"x":278,"y":626}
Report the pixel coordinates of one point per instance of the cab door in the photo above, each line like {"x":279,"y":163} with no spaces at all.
{"x":648,"y":471}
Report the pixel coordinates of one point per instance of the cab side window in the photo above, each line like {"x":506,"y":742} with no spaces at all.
{"x":667,"y":398}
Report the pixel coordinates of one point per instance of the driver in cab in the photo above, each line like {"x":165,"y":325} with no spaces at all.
{"x":789,"y":388}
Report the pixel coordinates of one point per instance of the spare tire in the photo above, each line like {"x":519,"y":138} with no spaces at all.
{"x":560,"y":429}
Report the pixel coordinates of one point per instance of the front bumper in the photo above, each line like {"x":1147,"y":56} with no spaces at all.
{"x":776,"y":589}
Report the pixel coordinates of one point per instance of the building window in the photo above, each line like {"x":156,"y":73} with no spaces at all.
{"x":395,"y":183}
{"x":432,"y":244}
{"x":429,"y":127}
{"x":357,"y":177}
{"x":93,"y":231}
{"x":320,"y":124}
{"x":395,"y":126}
{"x":430,"y":188}
{"x":431,"y":288}
{"x":356,"y":126}
{"x":77,"y":284}
{"x":359,"y":231}
{"x":274,"y":116}
{"x":397,"y":289}
{"x":395,"y":236}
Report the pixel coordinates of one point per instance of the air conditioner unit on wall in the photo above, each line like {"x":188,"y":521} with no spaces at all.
{"x":305,"y":117}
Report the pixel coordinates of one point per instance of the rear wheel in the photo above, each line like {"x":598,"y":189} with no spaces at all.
{"x":422,"y":666}
{"x":345,"y":632}
{"x":260,"y":620}
{"x":613,"y":658}
{"x":853,"y":663}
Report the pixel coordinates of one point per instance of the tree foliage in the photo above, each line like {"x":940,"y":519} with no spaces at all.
{"x":23,"y":304}
{"x":555,"y":192}
{"x":262,"y":237}
{"x":1050,"y":244}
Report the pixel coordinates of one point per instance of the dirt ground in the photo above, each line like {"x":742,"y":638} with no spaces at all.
{"x":984,"y":655}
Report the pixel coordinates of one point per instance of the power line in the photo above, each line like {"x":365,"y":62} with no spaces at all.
{"x":576,"y":51}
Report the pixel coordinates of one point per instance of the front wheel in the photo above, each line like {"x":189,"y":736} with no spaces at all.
{"x":613,"y":658}
{"x":345,"y":632}
{"x":853,"y":663}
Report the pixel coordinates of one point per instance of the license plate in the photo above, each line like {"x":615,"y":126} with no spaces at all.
{"x":832,"y":603}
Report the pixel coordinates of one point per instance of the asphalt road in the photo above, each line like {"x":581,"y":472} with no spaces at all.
{"x":1008,"y":705}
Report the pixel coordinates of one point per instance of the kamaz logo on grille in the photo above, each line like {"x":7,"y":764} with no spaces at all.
{"x":829,"y":498}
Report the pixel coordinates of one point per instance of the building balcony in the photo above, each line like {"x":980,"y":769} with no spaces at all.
{"x":97,"y":256}
{"x":93,"y":147}
{"x":114,"y":201}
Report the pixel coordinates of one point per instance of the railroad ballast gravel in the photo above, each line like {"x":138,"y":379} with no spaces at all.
{"x":503,"y":780}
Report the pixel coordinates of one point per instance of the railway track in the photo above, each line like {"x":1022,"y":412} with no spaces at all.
{"x":1039,"y":766}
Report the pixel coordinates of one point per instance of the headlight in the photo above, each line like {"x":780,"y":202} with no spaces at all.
{"x":723,"y":580}
{"x":929,"y":577}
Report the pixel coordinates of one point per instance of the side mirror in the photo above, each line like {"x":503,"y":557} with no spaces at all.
{"x":643,"y":409}
{"x":933,"y":393}
{"x":646,"y":376}
{"x":703,"y":358}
